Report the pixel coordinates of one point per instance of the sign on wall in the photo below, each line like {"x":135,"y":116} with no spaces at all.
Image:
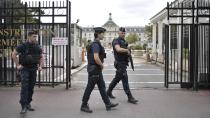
{"x":59,"y":41}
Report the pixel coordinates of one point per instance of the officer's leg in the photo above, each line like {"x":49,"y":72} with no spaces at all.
{"x":24,"y":89}
{"x":32,"y":83}
{"x":113,"y":83}
{"x":89,"y":88}
{"x":125,"y":83}
{"x":102,"y":89}
{"x":126,"y":88}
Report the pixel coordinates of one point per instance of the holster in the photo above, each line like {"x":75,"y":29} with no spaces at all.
{"x":93,"y":69}
{"x":94,"y":72}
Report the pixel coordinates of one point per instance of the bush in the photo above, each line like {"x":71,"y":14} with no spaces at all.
{"x":137,"y":47}
{"x":186,"y":53}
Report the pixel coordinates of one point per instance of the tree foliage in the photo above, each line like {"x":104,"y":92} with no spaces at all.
{"x":132,"y":38}
{"x":148,"y":33}
{"x":19,"y":14}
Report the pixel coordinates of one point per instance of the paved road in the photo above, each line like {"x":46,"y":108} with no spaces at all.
{"x":144,"y":76}
{"x":147,"y":84}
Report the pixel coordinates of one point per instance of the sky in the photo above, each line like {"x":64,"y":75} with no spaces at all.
{"x":124,"y":12}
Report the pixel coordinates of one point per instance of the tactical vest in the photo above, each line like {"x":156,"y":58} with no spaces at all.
{"x":31,"y":55}
{"x":90,"y":54}
{"x":120,"y":57}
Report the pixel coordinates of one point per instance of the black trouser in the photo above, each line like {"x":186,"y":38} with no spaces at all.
{"x":121,"y":74}
{"x":92,"y":80}
{"x":28,"y":80}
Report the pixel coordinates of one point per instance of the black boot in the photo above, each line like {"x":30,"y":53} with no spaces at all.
{"x":111,"y":105}
{"x":30,"y":108}
{"x":23,"y":110}
{"x":132,"y":100}
{"x":85,"y":108}
{"x":109,"y":93}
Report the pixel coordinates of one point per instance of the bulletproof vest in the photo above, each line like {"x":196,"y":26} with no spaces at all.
{"x":120,"y":57}
{"x":31,"y":55}
{"x":90,"y":55}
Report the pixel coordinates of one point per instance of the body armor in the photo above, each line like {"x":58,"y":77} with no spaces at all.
{"x":120,"y":57}
{"x":90,"y":54}
{"x":31,"y":55}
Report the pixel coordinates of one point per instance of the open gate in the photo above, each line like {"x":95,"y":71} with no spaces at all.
{"x":187,"y":60}
{"x":51,"y":19}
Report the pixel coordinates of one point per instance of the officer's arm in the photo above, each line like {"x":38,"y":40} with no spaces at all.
{"x":121,"y":50}
{"x":41,"y":61}
{"x":14,"y":57}
{"x":97,"y":60}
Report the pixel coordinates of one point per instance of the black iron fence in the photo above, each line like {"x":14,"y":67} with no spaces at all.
{"x":52,"y":19}
{"x":187,"y":60}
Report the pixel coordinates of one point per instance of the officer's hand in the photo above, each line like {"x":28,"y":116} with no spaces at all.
{"x":40,"y":68}
{"x":102,"y":67}
{"x":19,"y":67}
{"x":129,"y":52}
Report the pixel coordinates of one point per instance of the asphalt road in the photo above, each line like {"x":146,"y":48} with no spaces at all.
{"x":145,"y":74}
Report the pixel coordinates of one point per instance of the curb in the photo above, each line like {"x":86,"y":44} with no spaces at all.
{"x":83,"y":65}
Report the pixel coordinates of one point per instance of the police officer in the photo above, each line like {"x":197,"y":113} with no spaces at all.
{"x":96,"y":55}
{"x":30,"y":59}
{"x":121,"y":53}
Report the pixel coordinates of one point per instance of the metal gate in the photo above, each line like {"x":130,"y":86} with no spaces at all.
{"x":187,"y":61}
{"x":50,"y":19}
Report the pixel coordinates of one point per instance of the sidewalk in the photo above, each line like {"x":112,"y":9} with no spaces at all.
{"x":75,"y":70}
{"x":154,"y":103}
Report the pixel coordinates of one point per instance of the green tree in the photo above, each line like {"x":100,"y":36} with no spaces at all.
{"x":17,"y":13}
{"x":148,"y":33}
{"x":132,"y":38}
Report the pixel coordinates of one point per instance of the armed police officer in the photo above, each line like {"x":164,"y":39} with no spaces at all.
{"x":30,"y":59}
{"x":96,"y":55}
{"x":121,"y":55}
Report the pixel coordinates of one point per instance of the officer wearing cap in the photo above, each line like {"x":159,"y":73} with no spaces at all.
{"x":121,"y":54}
{"x":30,"y":59}
{"x":96,"y":55}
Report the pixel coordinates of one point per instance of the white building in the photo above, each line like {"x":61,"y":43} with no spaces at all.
{"x":112,"y":31}
{"x":76,"y":49}
{"x":159,"y":21}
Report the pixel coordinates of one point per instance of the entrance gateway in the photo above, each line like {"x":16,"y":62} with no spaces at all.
{"x":52,"y":20}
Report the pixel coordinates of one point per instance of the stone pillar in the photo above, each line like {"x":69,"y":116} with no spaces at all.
{"x":160,"y":40}
{"x":154,"y":35}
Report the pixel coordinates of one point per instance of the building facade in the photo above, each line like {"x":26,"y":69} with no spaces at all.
{"x":159,"y":21}
{"x":112,"y":32}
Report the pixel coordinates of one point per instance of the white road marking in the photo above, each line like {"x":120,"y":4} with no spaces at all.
{"x":128,"y":74}
{"x":108,"y":82}
{"x":138,"y":69}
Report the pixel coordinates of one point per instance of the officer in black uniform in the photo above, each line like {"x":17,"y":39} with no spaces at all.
{"x":30,"y":59}
{"x":96,"y":55}
{"x":121,"y":54}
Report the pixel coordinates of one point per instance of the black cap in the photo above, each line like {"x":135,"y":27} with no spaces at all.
{"x":99,"y":30}
{"x":122,"y":29}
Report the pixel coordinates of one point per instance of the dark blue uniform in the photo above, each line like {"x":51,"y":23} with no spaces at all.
{"x":95,"y":74}
{"x":29,"y":72}
{"x":121,"y":63}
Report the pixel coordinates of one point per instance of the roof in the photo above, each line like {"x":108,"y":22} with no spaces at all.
{"x":110,"y":22}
